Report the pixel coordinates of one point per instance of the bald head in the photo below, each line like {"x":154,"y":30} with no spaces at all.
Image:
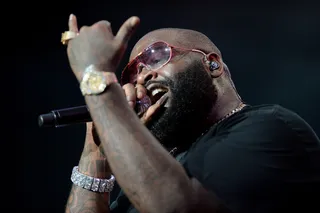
{"x":177,"y":37}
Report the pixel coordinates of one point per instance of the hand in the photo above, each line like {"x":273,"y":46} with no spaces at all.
{"x":96,"y":45}
{"x":133,"y":93}
{"x":93,"y":161}
{"x":92,"y":141}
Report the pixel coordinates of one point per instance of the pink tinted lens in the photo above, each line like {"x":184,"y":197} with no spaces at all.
{"x":129,"y":74}
{"x":154,"y":57}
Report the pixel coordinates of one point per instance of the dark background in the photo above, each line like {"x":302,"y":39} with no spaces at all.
{"x":271,"y":48}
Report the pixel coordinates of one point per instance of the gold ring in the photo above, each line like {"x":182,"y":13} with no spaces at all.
{"x":68,"y":35}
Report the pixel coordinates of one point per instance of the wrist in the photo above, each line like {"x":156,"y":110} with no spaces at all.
{"x":96,"y":81}
{"x":94,"y":166}
{"x":94,"y":184}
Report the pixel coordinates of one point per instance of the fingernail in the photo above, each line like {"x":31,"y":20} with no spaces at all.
{"x":71,"y":16}
{"x":134,"y":21}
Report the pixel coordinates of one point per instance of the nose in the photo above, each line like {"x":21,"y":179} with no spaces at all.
{"x":146,"y":75}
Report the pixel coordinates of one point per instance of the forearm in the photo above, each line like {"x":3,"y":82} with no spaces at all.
{"x":152,"y":179}
{"x":83,"y":200}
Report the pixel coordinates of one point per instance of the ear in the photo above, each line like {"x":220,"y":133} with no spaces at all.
{"x":214,"y":64}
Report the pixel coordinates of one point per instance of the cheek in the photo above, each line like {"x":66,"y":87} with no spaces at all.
{"x":170,"y":69}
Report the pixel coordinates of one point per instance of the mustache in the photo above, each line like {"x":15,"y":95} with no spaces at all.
{"x":167,"y":82}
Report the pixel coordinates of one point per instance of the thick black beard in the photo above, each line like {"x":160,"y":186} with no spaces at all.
{"x":193,"y":96}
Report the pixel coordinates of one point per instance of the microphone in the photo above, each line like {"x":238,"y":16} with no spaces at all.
{"x":80,"y":114}
{"x":64,"y":117}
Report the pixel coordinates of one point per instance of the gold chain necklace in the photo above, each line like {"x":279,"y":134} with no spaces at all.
{"x":237,"y":109}
{"x":240,"y":107}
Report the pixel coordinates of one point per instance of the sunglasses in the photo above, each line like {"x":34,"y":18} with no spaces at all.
{"x":154,"y":57}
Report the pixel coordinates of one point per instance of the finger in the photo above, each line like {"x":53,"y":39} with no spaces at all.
{"x":92,"y":136}
{"x":127,"y":29}
{"x":141,"y":91}
{"x":153,"y":109}
{"x":130,"y":93}
{"x":91,"y":129}
{"x":73,"y":25}
{"x":95,"y":135}
{"x":148,"y":115}
{"x":89,"y":125}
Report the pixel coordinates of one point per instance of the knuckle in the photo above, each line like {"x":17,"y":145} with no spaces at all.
{"x":102,"y":24}
{"x":141,"y":88}
{"x":83,"y":29}
{"x":129,"y":91}
{"x":126,"y":86}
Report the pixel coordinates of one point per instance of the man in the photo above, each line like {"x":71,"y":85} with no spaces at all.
{"x":203,"y":150}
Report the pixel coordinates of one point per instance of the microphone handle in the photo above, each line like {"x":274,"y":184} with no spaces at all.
{"x":65,"y":117}
{"x":81,"y":114}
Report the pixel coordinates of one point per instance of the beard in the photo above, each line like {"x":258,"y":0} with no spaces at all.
{"x":192,"y":98}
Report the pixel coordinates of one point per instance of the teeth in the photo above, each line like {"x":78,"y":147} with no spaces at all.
{"x":156,"y":91}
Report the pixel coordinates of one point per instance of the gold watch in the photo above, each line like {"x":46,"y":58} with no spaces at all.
{"x":95,"y":82}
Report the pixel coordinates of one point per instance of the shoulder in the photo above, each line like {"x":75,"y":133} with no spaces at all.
{"x":257,"y":137}
{"x":257,"y":154}
{"x":267,"y":121}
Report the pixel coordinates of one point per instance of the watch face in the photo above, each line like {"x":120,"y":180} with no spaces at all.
{"x":96,"y":83}
{"x":93,"y":82}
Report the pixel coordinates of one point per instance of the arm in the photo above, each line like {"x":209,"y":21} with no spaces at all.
{"x":93,"y":163}
{"x":151,"y":178}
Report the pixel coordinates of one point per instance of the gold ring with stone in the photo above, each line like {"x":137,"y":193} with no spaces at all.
{"x":68,"y":35}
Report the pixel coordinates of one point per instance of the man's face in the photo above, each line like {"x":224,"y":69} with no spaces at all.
{"x":191,"y":96}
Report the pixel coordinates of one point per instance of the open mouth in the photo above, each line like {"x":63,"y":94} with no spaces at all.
{"x":158,"y":95}
{"x":156,"y":92}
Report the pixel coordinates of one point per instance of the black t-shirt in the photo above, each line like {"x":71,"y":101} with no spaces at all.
{"x":262,"y":159}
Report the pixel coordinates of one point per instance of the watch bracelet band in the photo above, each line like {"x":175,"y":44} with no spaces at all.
{"x":95,"y":82}
{"x":92,"y":183}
